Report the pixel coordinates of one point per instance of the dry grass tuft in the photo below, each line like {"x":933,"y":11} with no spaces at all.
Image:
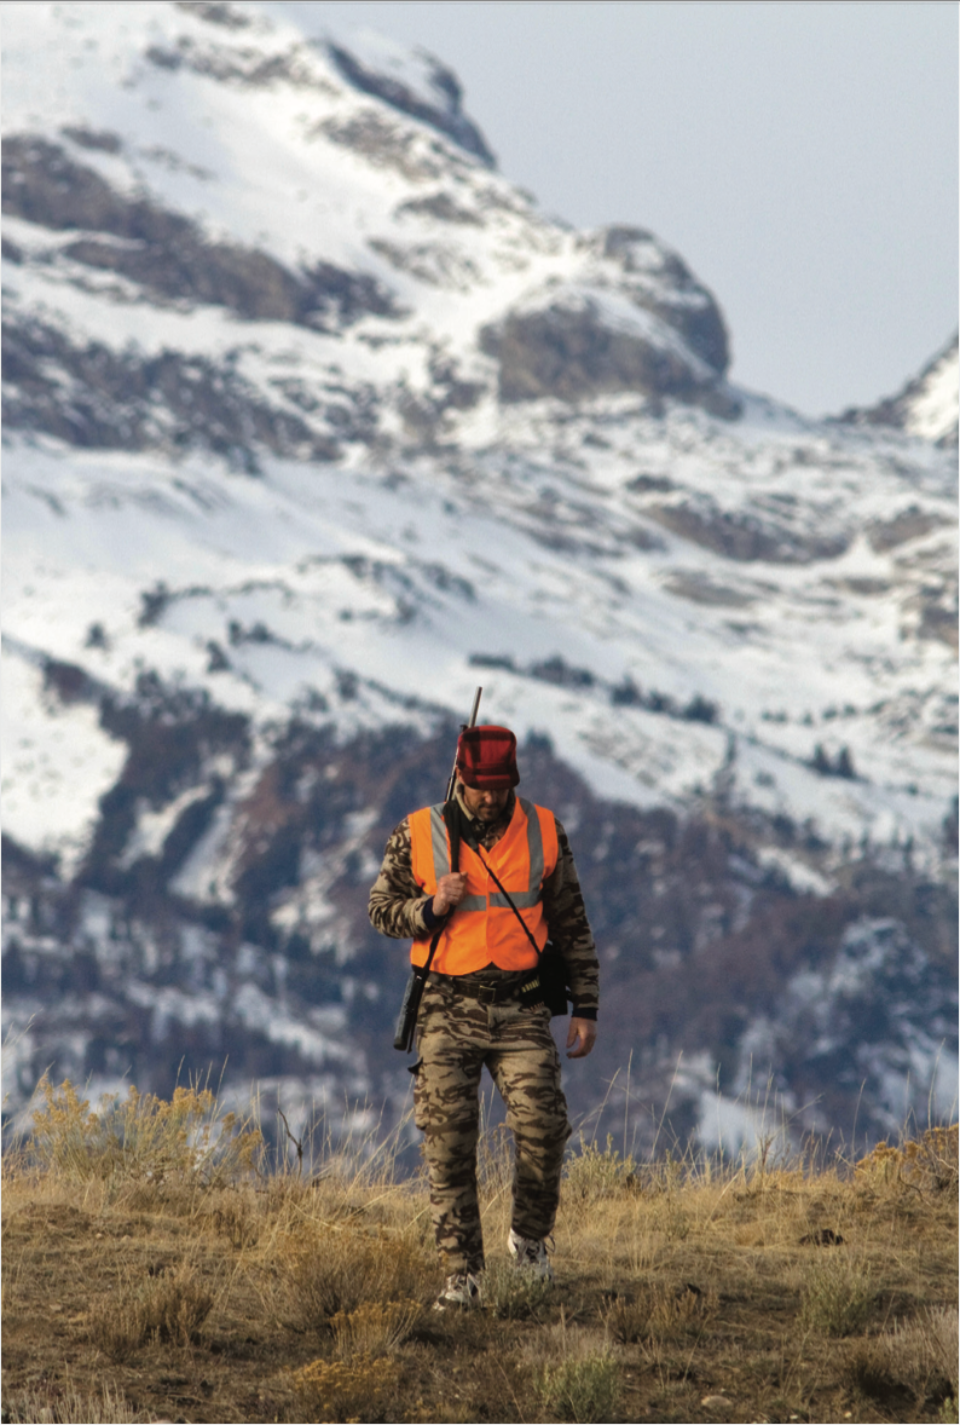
{"x":659,"y":1313}
{"x":596,"y":1173}
{"x":235,"y":1221}
{"x":322,"y":1271}
{"x":582,"y":1388}
{"x":376,"y":1328}
{"x":56,"y":1404}
{"x":170,"y":1307}
{"x":917,"y":1359}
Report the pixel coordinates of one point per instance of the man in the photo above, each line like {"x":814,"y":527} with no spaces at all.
{"x":481,"y":1003}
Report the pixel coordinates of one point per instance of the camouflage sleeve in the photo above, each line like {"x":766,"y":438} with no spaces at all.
{"x":570,"y":931}
{"x":397,"y":903}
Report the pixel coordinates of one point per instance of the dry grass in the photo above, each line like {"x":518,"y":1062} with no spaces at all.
{"x":916,"y":1360}
{"x":53,"y":1403}
{"x":375,"y":1329}
{"x":170,"y":1307}
{"x":320,"y":1271}
{"x":154,"y":1269}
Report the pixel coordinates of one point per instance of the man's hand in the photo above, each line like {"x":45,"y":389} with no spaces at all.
{"x":583,"y":1034}
{"x":450,"y":892}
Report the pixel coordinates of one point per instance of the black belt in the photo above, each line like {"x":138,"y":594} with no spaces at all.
{"x":488,"y":993}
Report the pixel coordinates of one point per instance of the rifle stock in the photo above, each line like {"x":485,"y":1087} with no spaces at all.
{"x":407,"y":1018}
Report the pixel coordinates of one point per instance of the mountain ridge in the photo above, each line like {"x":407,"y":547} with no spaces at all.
{"x":312,"y":422}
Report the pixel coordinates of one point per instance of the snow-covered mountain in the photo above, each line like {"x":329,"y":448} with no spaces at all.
{"x":926,"y":406}
{"x":313,"y":422}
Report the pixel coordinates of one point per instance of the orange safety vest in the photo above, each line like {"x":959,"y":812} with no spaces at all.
{"x":483,"y":930}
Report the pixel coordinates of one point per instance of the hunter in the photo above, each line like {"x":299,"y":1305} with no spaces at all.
{"x":514,"y":886}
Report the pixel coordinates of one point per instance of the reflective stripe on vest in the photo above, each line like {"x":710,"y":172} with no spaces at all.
{"x":521,"y":899}
{"x":483,"y":928}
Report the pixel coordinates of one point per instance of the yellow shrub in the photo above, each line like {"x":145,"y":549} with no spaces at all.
{"x":363,"y":1388}
{"x":141,"y":1136}
{"x":929,"y":1162}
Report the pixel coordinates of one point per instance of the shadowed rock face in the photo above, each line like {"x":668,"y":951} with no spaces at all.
{"x":685,"y":304}
{"x":449,"y":120}
{"x":744,"y":538}
{"x":572,"y":353}
{"x":95,"y":398}
{"x":633,"y":319}
{"x":167,"y":254}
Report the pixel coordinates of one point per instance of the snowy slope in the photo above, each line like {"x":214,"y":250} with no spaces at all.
{"x":682,"y":551}
{"x":311,"y":414}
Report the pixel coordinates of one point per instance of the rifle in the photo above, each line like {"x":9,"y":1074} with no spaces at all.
{"x":407,"y":1018}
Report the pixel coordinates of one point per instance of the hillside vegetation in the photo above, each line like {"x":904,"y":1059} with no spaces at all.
{"x":160,"y":1267}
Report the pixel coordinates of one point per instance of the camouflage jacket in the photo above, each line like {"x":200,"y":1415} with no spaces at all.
{"x":398,"y":906}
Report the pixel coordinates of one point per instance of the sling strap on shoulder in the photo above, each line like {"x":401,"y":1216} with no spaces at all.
{"x":550,"y":983}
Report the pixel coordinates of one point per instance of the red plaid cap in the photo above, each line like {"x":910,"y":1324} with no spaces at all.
{"x":487,"y":758}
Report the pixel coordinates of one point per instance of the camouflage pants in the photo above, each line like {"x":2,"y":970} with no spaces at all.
{"x":457,"y":1036}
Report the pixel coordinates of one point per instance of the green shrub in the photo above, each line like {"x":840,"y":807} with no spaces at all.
{"x":585,"y":1389}
{"x":513,"y":1294}
{"x":595,"y":1173}
{"x":837,"y":1296}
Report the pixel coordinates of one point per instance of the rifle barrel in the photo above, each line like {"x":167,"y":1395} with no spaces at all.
{"x":463,"y":727}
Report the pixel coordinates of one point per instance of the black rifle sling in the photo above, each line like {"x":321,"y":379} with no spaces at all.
{"x":509,"y":899}
{"x":453,"y":816}
{"x":475,"y":846}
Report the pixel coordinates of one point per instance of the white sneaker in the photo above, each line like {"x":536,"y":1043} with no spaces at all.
{"x":530,"y":1254}
{"x":462,"y":1289}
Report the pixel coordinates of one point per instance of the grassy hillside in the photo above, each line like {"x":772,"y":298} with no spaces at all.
{"x":158,"y":1268}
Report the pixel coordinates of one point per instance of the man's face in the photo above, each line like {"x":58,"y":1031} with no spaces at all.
{"x":485,"y":806}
